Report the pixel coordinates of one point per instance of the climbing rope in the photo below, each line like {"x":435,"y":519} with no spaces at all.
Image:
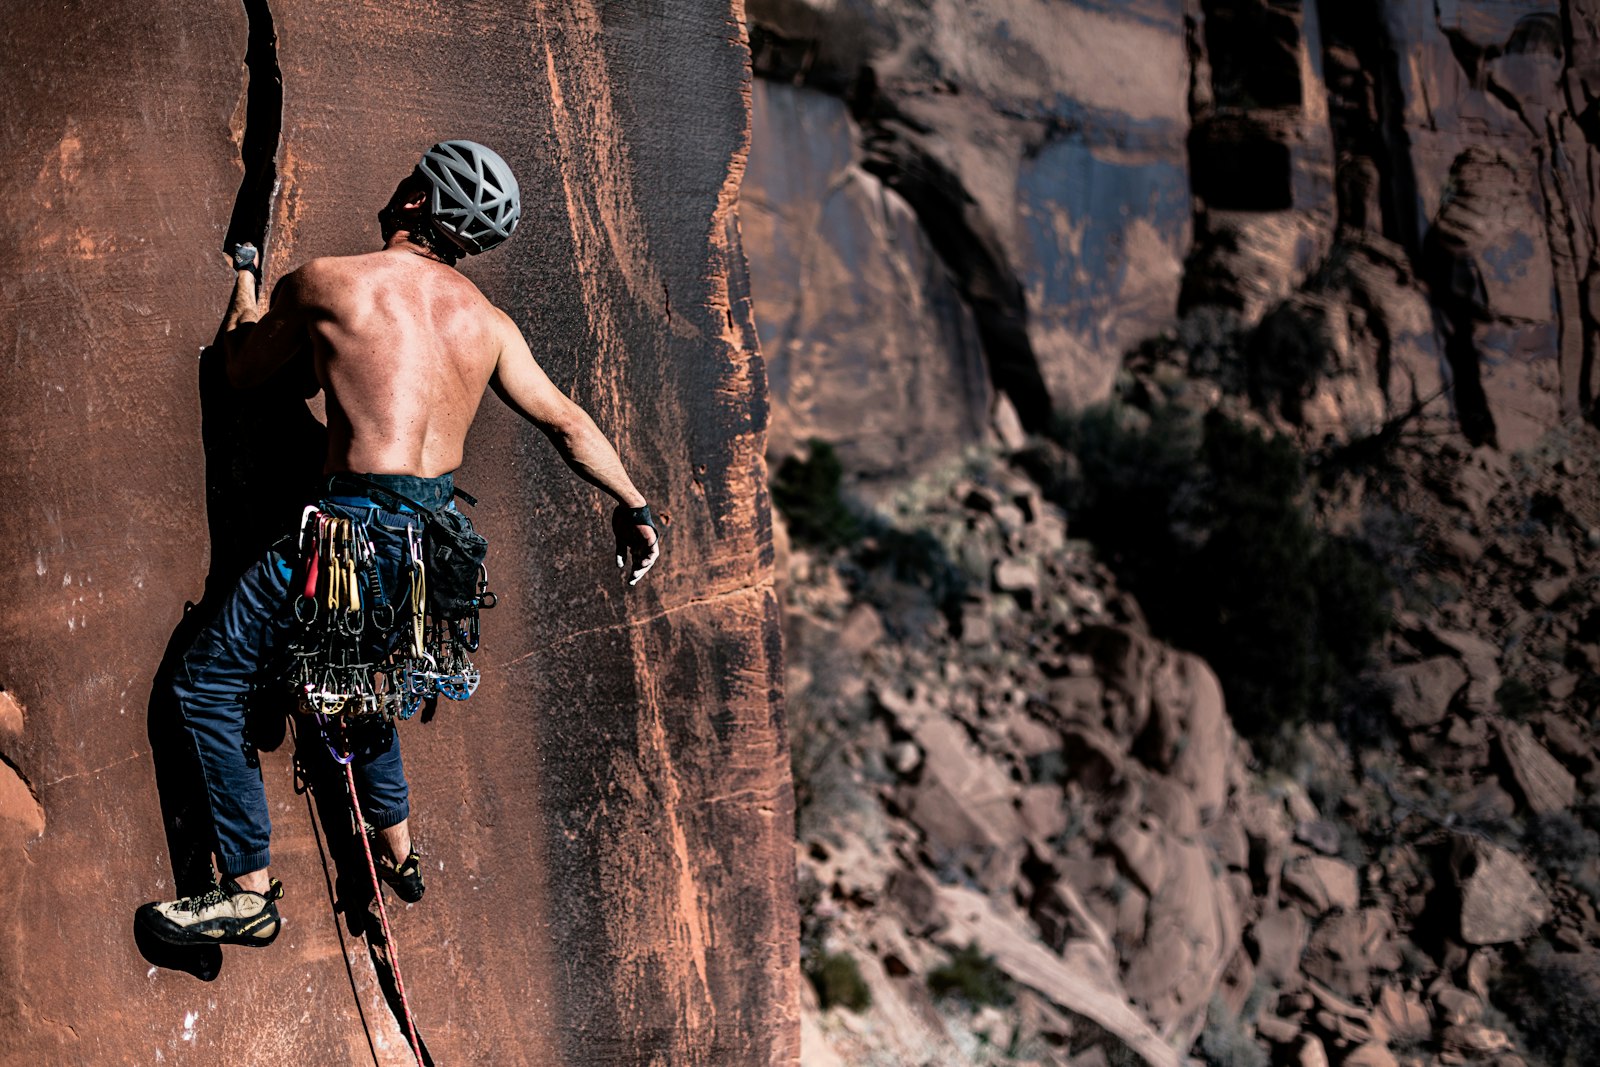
{"x":348,"y":676}
{"x":389,"y":946}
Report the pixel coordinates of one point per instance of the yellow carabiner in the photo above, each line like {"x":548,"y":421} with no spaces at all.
{"x":419,"y":600}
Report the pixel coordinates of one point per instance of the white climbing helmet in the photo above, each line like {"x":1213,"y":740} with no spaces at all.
{"x":475,"y":201}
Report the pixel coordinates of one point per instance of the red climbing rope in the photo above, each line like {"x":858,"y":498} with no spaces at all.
{"x":383,"y":915}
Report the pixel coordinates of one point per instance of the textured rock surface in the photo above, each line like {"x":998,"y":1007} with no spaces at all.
{"x":608,"y":820}
{"x":1059,"y":809}
{"x":1366,"y":226}
{"x":1396,"y":201}
{"x":868,"y":344}
{"x":1500,"y":901}
{"x":1040,"y":145}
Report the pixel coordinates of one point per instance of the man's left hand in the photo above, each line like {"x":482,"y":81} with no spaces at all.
{"x":640,"y":540}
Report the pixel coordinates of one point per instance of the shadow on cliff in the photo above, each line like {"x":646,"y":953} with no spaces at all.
{"x":263,"y":453}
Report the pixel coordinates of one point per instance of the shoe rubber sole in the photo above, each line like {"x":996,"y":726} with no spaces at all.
{"x":209,"y":933}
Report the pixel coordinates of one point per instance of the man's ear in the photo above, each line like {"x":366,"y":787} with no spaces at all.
{"x":416,"y":201}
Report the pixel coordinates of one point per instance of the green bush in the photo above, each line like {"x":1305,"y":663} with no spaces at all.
{"x":1206,"y":521}
{"x":1225,"y":1043}
{"x":806,"y":491}
{"x":838,"y":981}
{"x":974,"y":977}
{"x":1517,"y":699}
{"x":1551,"y":1005}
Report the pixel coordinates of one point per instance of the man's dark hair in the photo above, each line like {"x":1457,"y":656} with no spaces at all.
{"x":418,"y":225}
{"x":422,"y":232}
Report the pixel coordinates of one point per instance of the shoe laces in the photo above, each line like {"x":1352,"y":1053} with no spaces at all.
{"x":201,"y":901}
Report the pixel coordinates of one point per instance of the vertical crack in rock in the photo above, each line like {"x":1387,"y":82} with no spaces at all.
{"x":1380,"y":136}
{"x":263,"y":125}
{"x":785,"y":48}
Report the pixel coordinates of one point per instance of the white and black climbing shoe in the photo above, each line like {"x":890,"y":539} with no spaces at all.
{"x":222,"y":915}
{"x":406,"y":879}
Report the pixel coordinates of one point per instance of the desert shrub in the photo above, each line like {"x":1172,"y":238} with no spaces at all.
{"x":973,"y":977}
{"x":1551,"y":1005}
{"x":1206,"y":521}
{"x":884,"y":562}
{"x":838,"y":981}
{"x":807,"y":492}
{"x":1225,"y":1043}
{"x":1285,"y":357}
{"x":911,"y":557}
{"x":1517,"y":699}
{"x":1562,"y":845}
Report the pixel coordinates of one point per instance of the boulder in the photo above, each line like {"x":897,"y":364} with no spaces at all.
{"x":1544,"y":783}
{"x":1277,"y":1030}
{"x":1457,"y":1006}
{"x":1473,"y":1040}
{"x":1141,"y":852}
{"x":1404,"y":1015}
{"x":1080,"y":979}
{"x":1192,"y":931}
{"x":1278,"y":939}
{"x":1423,"y":691}
{"x":1310,"y":1052}
{"x":1323,"y":883}
{"x":1566,"y":741}
{"x":1018,"y":577}
{"x":1186,"y":705}
{"x":1319,"y":834}
{"x":1500,"y":901}
{"x":1370,"y":1054}
{"x":1482,"y":662}
{"x":1126,"y":660}
{"x":1350,"y":948}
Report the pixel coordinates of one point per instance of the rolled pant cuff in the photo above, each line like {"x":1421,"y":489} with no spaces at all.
{"x":383,"y":818}
{"x":234,"y":866}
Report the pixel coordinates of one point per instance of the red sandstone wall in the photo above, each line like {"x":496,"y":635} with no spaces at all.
{"x":608,"y":822}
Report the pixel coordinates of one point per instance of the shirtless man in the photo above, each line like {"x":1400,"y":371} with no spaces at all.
{"x":403,"y":347}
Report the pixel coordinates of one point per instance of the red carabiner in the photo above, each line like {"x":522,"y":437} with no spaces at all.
{"x":311,"y":560}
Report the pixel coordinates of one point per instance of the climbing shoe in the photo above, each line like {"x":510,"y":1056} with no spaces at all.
{"x":222,"y":915}
{"x":406,"y":879}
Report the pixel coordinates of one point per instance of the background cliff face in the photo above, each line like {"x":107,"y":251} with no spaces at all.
{"x":1412,"y":182}
{"x":607,"y":822}
{"x":1183,"y":420}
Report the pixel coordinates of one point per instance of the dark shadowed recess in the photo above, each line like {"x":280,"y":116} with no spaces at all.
{"x":1376,"y":132}
{"x":263,"y":122}
{"x":263,"y":452}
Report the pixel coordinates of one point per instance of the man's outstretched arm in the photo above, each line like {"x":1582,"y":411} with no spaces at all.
{"x":522,"y":383}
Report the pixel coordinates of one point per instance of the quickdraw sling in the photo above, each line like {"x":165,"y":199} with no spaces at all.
{"x":347,"y":663}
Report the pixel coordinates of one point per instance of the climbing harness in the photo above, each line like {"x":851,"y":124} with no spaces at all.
{"x":346,"y":663}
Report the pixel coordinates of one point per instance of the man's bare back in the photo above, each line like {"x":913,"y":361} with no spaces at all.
{"x":404,"y":347}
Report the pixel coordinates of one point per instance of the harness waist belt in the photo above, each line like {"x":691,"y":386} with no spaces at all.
{"x":357,"y":489}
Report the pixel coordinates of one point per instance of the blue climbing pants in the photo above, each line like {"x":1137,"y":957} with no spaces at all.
{"x":238,"y":653}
